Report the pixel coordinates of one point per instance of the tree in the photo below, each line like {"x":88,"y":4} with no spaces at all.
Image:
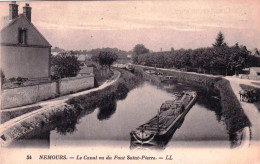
{"x":219,"y":40}
{"x":138,"y":50}
{"x":106,"y":58}
{"x":238,"y":57}
{"x":65,"y":66}
{"x":3,"y":79}
{"x":95,"y":58}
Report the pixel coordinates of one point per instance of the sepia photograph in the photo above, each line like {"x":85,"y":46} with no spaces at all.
{"x":130,"y":81}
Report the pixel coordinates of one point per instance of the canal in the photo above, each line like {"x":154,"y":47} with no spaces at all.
{"x":111,"y":122}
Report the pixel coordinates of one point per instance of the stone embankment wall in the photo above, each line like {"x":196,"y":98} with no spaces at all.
{"x":196,"y":78}
{"x":16,"y":97}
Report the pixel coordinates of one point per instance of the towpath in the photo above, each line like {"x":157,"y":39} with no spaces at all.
{"x":250,"y":109}
{"x":45,"y":105}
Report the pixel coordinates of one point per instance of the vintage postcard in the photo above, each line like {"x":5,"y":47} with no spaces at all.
{"x":130,"y":82}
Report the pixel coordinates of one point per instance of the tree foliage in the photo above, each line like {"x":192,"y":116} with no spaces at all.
{"x":219,"y":40}
{"x":3,"y":79}
{"x":138,"y":50}
{"x":105,"y":58}
{"x":219,"y":59}
{"x":215,"y":60}
{"x":65,"y":66}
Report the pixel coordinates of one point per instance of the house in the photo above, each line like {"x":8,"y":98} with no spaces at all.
{"x":56,"y":51}
{"x":82,"y":58}
{"x":85,"y":71}
{"x":250,"y":73}
{"x":24,"y":50}
{"x":254,"y":71}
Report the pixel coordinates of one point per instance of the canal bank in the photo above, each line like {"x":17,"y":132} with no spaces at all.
{"x":236,"y":120}
{"x":22,"y":125}
{"x":114,"y":112}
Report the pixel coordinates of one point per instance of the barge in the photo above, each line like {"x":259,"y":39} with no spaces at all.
{"x":158,"y":130}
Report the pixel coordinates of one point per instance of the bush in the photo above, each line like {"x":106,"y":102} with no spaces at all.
{"x":3,"y":79}
{"x":18,"y":80}
{"x":21,"y":79}
{"x":65,"y":66}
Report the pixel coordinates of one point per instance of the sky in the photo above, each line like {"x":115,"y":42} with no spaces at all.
{"x":156,"y":24}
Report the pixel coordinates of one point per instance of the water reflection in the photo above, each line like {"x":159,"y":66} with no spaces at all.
{"x":235,"y":121}
{"x":107,"y":110}
{"x":159,"y":142}
{"x":122,"y":91}
{"x":137,"y":107}
{"x":65,"y":122}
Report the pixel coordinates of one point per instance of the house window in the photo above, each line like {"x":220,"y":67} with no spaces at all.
{"x":22,"y":36}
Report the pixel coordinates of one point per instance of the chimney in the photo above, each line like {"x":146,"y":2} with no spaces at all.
{"x":13,"y":10}
{"x":27,"y":11}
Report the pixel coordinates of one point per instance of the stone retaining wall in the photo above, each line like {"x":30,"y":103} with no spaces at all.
{"x":196,"y":78}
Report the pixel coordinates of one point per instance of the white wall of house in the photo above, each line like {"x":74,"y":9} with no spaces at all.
{"x":30,"y":59}
{"x":254,"y":73}
{"x":29,"y":62}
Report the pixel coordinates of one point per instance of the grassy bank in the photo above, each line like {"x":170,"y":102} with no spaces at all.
{"x":8,"y":115}
{"x":248,"y":87}
{"x":62,"y":114}
{"x":233,"y":113}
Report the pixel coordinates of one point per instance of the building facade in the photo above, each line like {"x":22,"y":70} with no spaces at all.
{"x":24,"y":50}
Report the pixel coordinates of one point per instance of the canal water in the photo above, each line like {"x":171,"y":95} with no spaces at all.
{"x":111,"y":123}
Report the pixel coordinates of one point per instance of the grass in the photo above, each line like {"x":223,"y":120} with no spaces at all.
{"x":256,"y":83}
{"x":249,"y":87}
{"x":7,"y":115}
{"x":101,"y":75}
{"x":233,"y":113}
{"x":63,"y":118}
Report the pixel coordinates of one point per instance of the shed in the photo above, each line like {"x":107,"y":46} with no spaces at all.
{"x":85,"y":71}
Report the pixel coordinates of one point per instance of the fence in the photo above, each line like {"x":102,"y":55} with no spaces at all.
{"x":241,"y":76}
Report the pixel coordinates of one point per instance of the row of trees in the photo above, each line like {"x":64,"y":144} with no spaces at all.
{"x":219,"y":59}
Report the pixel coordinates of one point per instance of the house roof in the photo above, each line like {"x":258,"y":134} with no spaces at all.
{"x":57,"y":49}
{"x":82,"y":58}
{"x":86,"y":70}
{"x":20,"y":16}
{"x":246,"y":69}
{"x":257,"y":69}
